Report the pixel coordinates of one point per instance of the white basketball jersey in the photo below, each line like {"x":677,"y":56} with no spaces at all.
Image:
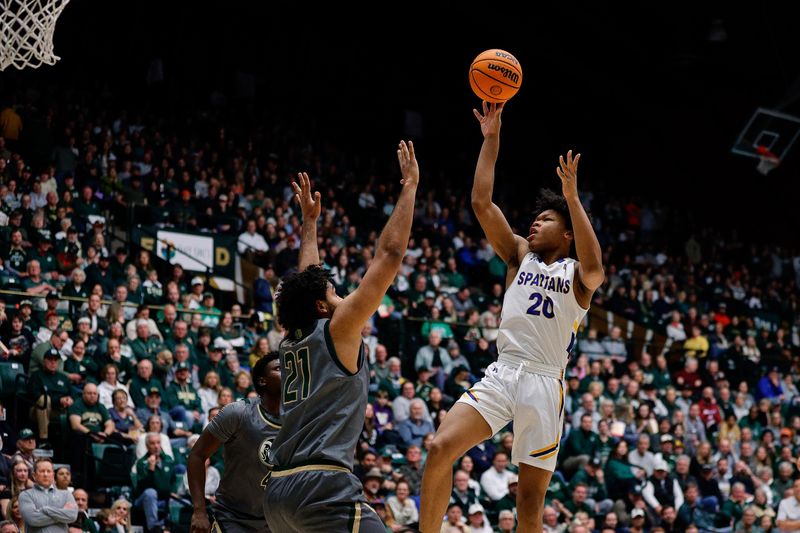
{"x":540,"y":314}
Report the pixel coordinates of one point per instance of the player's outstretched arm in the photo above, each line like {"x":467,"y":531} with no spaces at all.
{"x":311,"y":207}
{"x":356,"y":308}
{"x":590,"y":269}
{"x":494,"y":223}
{"x":204,"y":448}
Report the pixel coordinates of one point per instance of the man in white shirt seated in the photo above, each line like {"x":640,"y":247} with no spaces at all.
{"x":494,"y":482}
{"x":789,"y":511}
{"x":252,"y":241}
{"x":641,"y":456}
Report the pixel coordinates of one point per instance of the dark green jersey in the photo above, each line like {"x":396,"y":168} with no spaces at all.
{"x":322,"y":404}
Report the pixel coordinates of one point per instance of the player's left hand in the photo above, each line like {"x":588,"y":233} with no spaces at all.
{"x":568,"y":172}
{"x":310,"y":205}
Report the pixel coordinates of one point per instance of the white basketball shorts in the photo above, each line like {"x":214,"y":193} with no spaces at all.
{"x":535,"y":404}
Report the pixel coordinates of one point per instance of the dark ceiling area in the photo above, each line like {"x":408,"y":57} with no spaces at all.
{"x":652,"y":95}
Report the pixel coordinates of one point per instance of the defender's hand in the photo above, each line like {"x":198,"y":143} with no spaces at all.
{"x":310,"y":205}
{"x":408,"y":164}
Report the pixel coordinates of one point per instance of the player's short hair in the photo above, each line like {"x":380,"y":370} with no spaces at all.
{"x":298,"y":296}
{"x":551,"y":200}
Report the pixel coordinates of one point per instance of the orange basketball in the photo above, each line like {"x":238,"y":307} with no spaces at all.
{"x":495,"y":75}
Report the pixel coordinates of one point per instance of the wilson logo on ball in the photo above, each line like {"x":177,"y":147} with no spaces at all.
{"x":509,"y":74}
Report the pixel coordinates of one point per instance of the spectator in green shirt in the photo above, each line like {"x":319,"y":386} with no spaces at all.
{"x":51,"y":389}
{"x":155,"y":476}
{"x":182,"y":399}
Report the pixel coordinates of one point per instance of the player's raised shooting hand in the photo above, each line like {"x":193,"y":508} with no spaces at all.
{"x":310,"y":204}
{"x":408,"y":163}
{"x":568,"y":172}
{"x":490,"y":119}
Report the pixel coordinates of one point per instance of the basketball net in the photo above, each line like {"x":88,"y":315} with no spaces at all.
{"x":767,"y":160}
{"x":26,"y":32}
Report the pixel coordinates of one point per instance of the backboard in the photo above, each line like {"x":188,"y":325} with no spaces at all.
{"x":768,"y":137}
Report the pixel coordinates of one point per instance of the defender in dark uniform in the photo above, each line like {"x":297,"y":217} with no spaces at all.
{"x":324,"y":376}
{"x":247,"y":428}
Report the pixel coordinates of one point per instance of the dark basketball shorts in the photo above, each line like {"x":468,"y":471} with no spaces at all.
{"x":318,"y":499}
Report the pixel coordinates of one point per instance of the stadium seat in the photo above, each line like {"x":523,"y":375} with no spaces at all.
{"x":112,"y":464}
{"x":9,"y":381}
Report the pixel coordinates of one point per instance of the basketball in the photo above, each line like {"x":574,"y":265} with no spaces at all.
{"x":495,"y":75}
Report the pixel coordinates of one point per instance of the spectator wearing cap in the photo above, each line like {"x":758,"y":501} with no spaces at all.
{"x":212,"y":319}
{"x":215,"y":362}
{"x":182,"y":399}
{"x":770,"y":386}
{"x":29,"y":321}
{"x":100,"y":273}
{"x":593,"y":477}
{"x":667,"y":450}
{"x":153,"y":408}
{"x":638,"y":520}
{"x":662,"y":489}
{"x":52,"y":392}
{"x":455,"y":358}
{"x":26,"y":444}
{"x":371,"y":483}
{"x":47,"y":260}
{"x":476,"y":519}
{"x":404,"y":509}
{"x":58,"y":340}
{"x":509,"y":501}
{"x":432,"y":356}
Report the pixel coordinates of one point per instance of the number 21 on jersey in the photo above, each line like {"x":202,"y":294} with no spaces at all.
{"x":298,"y":375}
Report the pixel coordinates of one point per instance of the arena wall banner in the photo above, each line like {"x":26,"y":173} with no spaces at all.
{"x":209,"y":253}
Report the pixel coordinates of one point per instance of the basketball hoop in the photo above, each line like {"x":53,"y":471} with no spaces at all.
{"x":767,"y":160}
{"x":26,"y":32}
